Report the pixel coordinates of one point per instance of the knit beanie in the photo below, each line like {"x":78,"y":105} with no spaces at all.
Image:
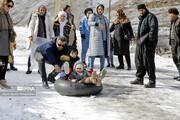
{"x":141,"y":6}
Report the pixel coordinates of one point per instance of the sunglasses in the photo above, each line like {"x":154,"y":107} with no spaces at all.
{"x":9,"y":6}
{"x":60,"y":45}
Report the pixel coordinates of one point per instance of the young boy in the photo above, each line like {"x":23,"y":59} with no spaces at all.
{"x":81,"y":75}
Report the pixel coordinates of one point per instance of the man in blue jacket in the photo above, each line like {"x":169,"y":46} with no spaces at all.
{"x":50,"y":53}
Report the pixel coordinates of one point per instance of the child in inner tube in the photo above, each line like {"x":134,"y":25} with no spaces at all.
{"x":81,"y":75}
{"x":72,"y":58}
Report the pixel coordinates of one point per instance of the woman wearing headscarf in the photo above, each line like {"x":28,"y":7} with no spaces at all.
{"x":99,"y":43}
{"x":85,"y":32}
{"x":40,"y":31}
{"x":7,"y":36}
{"x":61,"y":26}
{"x":122,"y":27}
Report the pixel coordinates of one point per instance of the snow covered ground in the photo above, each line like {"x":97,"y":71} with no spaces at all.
{"x":119,"y":100}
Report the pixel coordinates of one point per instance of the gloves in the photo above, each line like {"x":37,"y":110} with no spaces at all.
{"x":65,"y":58}
{"x":83,"y":36}
{"x":62,"y":75}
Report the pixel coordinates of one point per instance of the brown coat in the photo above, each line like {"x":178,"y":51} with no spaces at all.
{"x":6,"y":27}
{"x":176,"y":31}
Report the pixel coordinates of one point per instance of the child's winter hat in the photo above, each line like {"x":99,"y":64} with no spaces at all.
{"x":80,"y":66}
{"x":62,"y":13}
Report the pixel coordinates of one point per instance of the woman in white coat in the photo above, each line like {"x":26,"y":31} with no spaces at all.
{"x":40,"y":31}
{"x":99,"y":43}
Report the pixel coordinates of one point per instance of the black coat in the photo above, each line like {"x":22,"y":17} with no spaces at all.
{"x":67,"y":28}
{"x":148,"y":29}
{"x":121,"y":46}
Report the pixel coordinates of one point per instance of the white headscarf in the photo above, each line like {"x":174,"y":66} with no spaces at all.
{"x":62,"y":24}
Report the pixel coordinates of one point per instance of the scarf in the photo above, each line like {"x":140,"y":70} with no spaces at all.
{"x":62,"y":24}
{"x":101,"y":20}
{"x":7,"y":22}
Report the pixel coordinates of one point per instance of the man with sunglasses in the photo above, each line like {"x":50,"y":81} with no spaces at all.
{"x":50,"y":53}
{"x":7,"y":36}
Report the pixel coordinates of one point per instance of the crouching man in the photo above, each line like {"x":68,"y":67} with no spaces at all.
{"x":50,"y":53}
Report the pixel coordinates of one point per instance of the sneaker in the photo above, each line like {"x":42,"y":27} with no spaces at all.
{"x":150,"y":85}
{"x":66,"y":67}
{"x":94,"y":77}
{"x":13,"y":68}
{"x":120,"y":67}
{"x":138,"y":81}
{"x":3,"y":84}
{"x":28,"y":71}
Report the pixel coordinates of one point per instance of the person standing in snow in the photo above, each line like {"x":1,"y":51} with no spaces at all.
{"x":122,"y":27}
{"x":85,"y":32}
{"x":61,"y":26}
{"x":7,"y":36}
{"x":40,"y":31}
{"x":99,"y":42}
{"x":147,"y":39}
{"x":51,"y":53}
{"x":70,"y":17}
{"x":175,"y":38}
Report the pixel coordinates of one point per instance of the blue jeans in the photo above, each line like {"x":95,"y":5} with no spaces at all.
{"x":85,"y":46}
{"x":102,"y":61}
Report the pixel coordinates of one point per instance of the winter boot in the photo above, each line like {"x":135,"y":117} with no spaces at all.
{"x":85,"y":65}
{"x":51,"y":77}
{"x":108,"y":65}
{"x":28,"y":71}
{"x":13,"y":68}
{"x":100,"y":77}
{"x":120,"y":67}
{"x":138,"y":81}
{"x":129,"y":68}
{"x":93,"y":77}
{"x":150,"y":84}
{"x":3,"y":84}
{"x":66,"y":67}
{"x":112,"y":65}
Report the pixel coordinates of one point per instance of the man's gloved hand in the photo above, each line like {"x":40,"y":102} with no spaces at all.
{"x":65,"y":58}
{"x":83,"y":36}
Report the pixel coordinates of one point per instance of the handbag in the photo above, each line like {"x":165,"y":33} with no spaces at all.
{"x":127,"y":35}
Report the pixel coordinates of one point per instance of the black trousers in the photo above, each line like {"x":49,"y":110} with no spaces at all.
{"x":144,"y":60}
{"x":41,"y":66}
{"x":128,"y":59}
{"x":3,"y":69}
{"x":176,"y":54}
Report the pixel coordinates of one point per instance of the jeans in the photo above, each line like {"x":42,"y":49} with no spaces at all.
{"x":85,"y":46}
{"x":102,"y":61}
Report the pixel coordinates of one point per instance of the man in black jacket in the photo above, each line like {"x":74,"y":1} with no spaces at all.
{"x":175,"y":38}
{"x":145,"y":49}
{"x":50,"y":53}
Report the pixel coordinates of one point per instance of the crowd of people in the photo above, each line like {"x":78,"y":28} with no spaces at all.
{"x":55,"y":44}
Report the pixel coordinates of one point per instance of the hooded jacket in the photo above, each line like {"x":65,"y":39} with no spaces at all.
{"x":78,"y":76}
